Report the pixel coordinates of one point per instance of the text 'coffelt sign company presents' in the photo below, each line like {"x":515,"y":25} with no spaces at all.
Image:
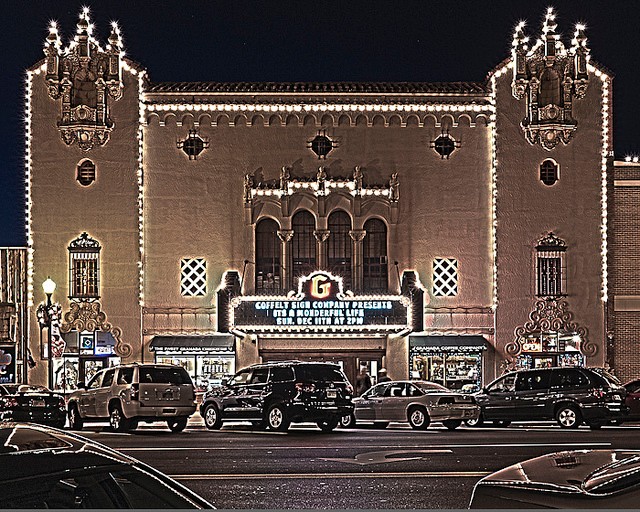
{"x":320,"y":305}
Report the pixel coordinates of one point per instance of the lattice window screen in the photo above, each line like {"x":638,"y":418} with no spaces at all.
{"x":193,"y":277}
{"x":445,"y":277}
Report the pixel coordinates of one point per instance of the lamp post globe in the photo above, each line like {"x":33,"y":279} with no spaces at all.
{"x":49,"y":286}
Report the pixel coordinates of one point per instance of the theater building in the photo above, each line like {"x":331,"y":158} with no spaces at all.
{"x":446,"y":231}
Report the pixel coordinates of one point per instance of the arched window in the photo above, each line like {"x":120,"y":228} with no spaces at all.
{"x":374,"y":256}
{"x":551,"y":272}
{"x":549,"y":172}
{"x":303,"y":244}
{"x":340,"y":246}
{"x":268,"y":254}
{"x":84,"y":268}
{"x":86,"y":173}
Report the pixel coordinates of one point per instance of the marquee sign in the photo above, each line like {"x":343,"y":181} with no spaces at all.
{"x":320,"y":305}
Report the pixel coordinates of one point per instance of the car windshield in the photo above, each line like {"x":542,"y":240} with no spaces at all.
{"x":616,"y":476}
{"x":319,"y":372}
{"x":430,"y":387}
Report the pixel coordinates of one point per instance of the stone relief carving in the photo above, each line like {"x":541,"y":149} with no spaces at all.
{"x":87,"y":316}
{"x":551,"y":315}
{"x":550,"y":77}
{"x":84,"y":76}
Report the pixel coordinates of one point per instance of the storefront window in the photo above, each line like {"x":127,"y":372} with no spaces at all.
{"x":550,"y":349}
{"x":205,"y":370}
{"x":454,"y":370}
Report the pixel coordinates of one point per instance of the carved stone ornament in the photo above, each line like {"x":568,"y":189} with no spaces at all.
{"x":84,"y":243}
{"x":551,"y":242}
{"x":285,"y":235}
{"x":87,"y":316}
{"x":84,"y":76}
{"x":549,"y":76}
{"x":550,"y":315}
{"x":322,"y":235}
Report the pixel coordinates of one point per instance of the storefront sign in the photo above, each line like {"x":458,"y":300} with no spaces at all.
{"x":7,"y":365}
{"x":320,"y":305}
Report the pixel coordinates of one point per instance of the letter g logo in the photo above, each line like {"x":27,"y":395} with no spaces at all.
{"x":320,"y":287}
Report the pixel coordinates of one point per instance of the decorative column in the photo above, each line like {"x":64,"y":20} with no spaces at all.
{"x":322,"y":235}
{"x":285,"y":236}
{"x":357,"y":235}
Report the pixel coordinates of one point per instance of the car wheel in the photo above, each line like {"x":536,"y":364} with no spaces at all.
{"x":75,"y":421}
{"x":418,"y":418}
{"x":211,"y":416}
{"x":380,"y":424}
{"x":117,"y":420}
{"x":452,"y":424}
{"x":348,"y":421}
{"x":277,"y":418}
{"x":133,"y":424}
{"x":475,"y":422}
{"x":328,"y":425}
{"x":568,"y":416}
{"x":501,"y":423}
{"x":177,"y":424}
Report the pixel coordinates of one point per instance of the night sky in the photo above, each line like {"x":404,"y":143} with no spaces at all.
{"x":319,"y":41}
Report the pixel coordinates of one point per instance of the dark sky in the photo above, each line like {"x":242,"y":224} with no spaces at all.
{"x":303,"y":40}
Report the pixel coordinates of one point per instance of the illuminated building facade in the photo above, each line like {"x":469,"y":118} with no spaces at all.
{"x":446,"y":231}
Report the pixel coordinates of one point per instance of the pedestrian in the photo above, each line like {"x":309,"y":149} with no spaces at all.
{"x":382,"y":375}
{"x":363,"y":381}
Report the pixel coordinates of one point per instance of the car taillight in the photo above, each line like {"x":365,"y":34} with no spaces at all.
{"x":9,"y":402}
{"x":305,"y":387}
{"x":135,"y":392}
{"x":349,"y":389}
{"x":598,"y":392}
{"x":61,"y":402}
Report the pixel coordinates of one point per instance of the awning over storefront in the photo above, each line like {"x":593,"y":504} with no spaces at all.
{"x":209,"y":343}
{"x":419,"y":343}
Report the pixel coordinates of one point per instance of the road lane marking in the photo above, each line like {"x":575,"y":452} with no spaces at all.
{"x":382,"y":457}
{"x":405,"y":447}
{"x":307,"y":476}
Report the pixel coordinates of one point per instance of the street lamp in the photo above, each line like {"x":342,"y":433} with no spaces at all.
{"x":45,"y":315}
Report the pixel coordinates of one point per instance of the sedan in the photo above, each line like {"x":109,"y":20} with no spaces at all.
{"x":42,"y":467}
{"x":632,"y":400}
{"x":22,"y":402}
{"x":580,"y":479}
{"x":418,"y":402}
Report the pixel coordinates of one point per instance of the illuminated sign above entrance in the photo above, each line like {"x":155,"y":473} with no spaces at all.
{"x":320,"y":305}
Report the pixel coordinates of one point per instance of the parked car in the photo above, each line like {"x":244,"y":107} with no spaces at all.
{"x":418,"y":402}
{"x":125,"y":395}
{"x":42,"y":467}
{"x":602,"y":479}
{"x":23,"y":402}
{"x":632,"y":401}
{"x":276,"y":394}
{"x":570,"y":396}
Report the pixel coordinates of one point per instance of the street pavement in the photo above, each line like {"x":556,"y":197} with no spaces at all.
{"x":363,"y":468}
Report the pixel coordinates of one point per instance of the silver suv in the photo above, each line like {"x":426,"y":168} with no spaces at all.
{"x":125,"y":395}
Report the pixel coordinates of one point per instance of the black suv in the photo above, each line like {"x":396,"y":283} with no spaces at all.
{"x":571,"y":396}
{"x":276,"y":394}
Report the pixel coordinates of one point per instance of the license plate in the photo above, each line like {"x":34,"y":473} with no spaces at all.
{"x":331,"y":394}
{"x":37,"y":403}
{"x":167,"y":395}
{"x":617,"y":397}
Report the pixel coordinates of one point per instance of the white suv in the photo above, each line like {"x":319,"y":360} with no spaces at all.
{"x":125,"y":395}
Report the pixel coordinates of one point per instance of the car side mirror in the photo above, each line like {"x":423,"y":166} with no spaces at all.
{"x":225,"y":382}
{"x":81,"y":385}
{"x":486,"y":391}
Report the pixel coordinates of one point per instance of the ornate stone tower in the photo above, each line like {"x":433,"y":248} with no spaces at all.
{"x":84,"y":179}
{"x":550,"y":208}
